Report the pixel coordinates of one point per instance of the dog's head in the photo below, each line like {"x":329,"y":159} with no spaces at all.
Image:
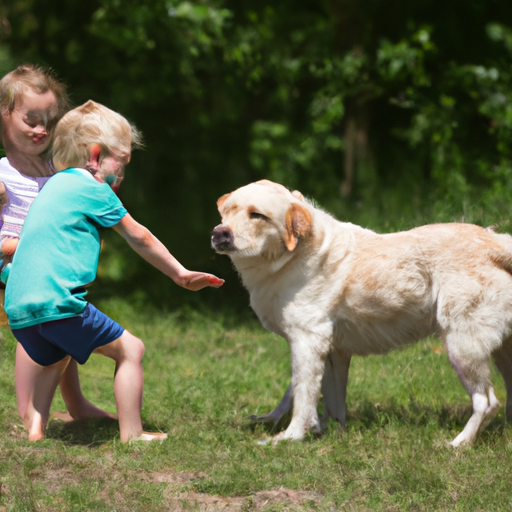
{"x":261,"y":219}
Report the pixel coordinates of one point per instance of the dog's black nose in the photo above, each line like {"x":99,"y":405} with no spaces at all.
{"x":222,"y":238}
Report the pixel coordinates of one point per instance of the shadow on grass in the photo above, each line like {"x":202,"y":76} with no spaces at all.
{"x":89,"y":432}
{"x":92,"y":432}
{"x":450,"y":419}
{"x":368,"y":416}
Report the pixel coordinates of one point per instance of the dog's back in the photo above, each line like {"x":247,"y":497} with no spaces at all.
{"x":405,"y":286}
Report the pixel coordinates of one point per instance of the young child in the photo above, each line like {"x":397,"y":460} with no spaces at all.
{"x":45,"y":298}
{"x":32,"y":100}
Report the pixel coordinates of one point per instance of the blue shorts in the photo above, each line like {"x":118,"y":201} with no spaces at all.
{"x":76,"y":336}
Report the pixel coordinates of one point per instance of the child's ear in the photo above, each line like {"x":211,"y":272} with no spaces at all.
{"x":95,"y":153}
{"x":94,"y":160}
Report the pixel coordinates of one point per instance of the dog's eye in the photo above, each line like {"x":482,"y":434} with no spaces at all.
{"x":257,"y":215}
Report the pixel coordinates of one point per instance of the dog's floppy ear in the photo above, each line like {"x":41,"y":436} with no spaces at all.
{"x":221,"y":200}
{"x":298,"y":223}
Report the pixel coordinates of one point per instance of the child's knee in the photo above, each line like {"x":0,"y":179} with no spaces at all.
{"x":125,"y":348}
{"x":133,"y":346}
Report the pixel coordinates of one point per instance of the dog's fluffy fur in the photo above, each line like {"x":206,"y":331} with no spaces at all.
{"x":333,"y":289}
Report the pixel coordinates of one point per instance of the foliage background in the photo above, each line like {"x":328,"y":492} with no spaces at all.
{"x":388,"y":113}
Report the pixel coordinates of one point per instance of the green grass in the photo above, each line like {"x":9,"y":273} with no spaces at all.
{"x":203,"y":377}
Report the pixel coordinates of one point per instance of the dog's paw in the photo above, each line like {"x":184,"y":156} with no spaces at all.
{"x":270,"y":418}
{"x":461,"y":440}
{"x":282,"y":436}
{"x":265,"y":418}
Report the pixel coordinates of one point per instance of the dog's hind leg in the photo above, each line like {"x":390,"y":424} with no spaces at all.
{"x":284,"y":407}
{"x":334,"y":387}
{"x":503,"y":360}
{"x":484,"y":404}
{"x":473,"y":368}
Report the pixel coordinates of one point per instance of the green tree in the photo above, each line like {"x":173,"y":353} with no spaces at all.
{"x":379,"y":110}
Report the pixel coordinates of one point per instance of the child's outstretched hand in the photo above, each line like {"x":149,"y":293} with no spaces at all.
{"x":198,"y":280}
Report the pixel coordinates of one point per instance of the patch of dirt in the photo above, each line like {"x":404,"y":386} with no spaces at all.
{"x":177,"y":499}
{"x":281,"y":499}
{"x":177,"y":496}
{"x":172,"y":478}
{"x":57,"y":478}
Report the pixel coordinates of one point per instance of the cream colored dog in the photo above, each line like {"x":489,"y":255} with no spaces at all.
{"x":333,"y":289}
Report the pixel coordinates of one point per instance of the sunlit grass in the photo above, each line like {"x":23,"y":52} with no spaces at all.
{"x":203,"y":377}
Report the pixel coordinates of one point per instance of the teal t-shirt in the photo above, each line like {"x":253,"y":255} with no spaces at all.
{"x":59,"y":248}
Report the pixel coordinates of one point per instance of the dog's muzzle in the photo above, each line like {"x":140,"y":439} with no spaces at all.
{"x":223,"y":239}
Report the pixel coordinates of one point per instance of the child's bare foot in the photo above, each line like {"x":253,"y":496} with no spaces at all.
{"x":150,"y":436}
{"x":88,"y":410}
{"x":35,"y":426}
{"x":85,"y":411}
{"x":62,"y":415}
{"x":36,"y":436}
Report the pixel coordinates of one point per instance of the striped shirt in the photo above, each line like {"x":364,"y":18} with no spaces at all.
{"x":21,"y":191}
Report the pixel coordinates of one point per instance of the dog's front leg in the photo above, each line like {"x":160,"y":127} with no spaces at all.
{"x":334,"y":391}
{"x":309,"y":352}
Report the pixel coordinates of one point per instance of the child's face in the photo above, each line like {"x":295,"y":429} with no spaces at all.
{"x":112,"y":168}
{"x":27,"y":129}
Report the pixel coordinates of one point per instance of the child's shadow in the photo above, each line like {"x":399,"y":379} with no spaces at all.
{"x":89,"y":432}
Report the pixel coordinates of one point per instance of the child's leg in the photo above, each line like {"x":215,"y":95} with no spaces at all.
{"x":35,"y":387}
{"x":77,"y":405}
{"x":127,"y":352}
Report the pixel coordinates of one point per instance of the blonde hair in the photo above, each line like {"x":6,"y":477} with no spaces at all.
{"x":85,"y":126}
{"x":29,"y":76}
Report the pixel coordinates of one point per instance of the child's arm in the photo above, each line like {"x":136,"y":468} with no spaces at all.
{"x":3,"y":195}
{"x":144,"y":243}
{"x":7,"y":245}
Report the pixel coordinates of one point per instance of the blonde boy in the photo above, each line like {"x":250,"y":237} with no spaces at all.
{"x":45,"y":297}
